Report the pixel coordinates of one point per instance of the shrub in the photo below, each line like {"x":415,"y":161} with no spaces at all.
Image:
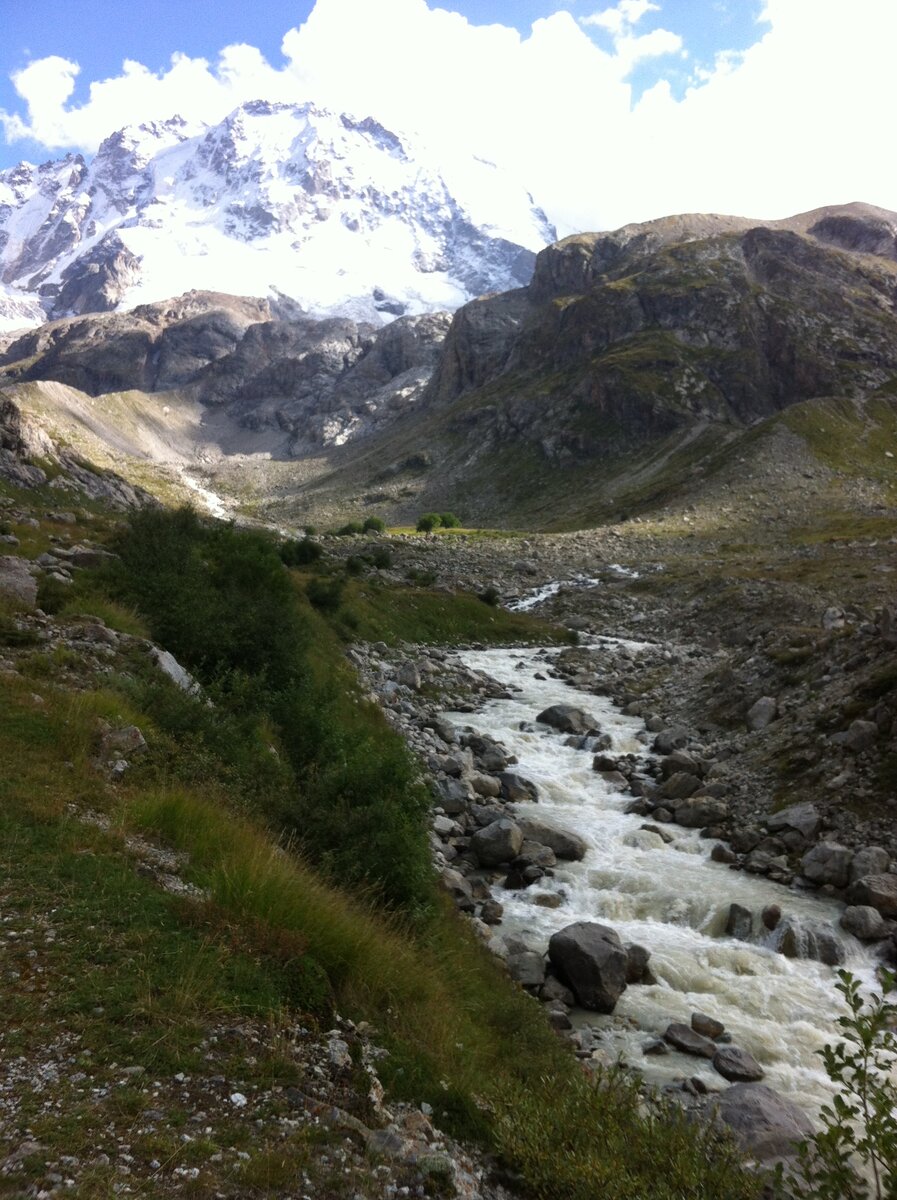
{"x":355,"y":564}
{"x":350,"y":528}
{"x":301,"y":553}
{"x":859,"y":1135}
{"x":326,"y":594}
{"x":490,"y":595}
{"x":428,"y":522}
{"x":373,"y":525}
{"x":382,"y":558}
{"x":449,"y":521}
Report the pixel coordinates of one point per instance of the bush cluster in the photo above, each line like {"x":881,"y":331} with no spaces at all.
{"x":430,"y":521}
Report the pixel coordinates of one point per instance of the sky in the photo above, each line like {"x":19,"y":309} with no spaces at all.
{"x":608,"y":113}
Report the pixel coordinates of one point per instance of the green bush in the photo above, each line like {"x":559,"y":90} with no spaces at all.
{"x":326,"y":594}
{"x":301,"y":553}
{"x":350,"y":528}
{"x":857,"y":1145}
{"x":428,"y":522}
{"x":449,"y":521}
{"x":382,"y":558}
{"x":490,"y":595}
{"x":355,"y":564}
{"x":373,"y":525}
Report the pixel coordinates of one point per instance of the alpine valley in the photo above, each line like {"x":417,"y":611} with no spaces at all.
{"x":344,"y":509}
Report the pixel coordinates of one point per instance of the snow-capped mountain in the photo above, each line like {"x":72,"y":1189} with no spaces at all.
{"x":337,"y":214}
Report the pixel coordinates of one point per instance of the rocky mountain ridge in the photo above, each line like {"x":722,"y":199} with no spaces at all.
{"x":339,"y":214}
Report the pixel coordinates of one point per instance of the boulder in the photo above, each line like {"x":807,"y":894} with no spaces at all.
{"x":527,"y":968}
{"x":567,"y":718}
{"x":673,"y":738}
{"x":644,"y":839}
{"x":565,"y":844}
{"x":803,"y":817}
{"x":737,"y":1065}
{"x":679,"y":786}
{"x":864,"y":922}
{"x":707,"y":1027}
{"x":879,"y":891}
{"x":761,"y":713}
{"x":637,"y":958}
{"x":16,"y":581}
{"x":409,"y":676}
{"x":684,"y":1038}
{"x":762,"y":1122}
{"x":859,"y":736}
{"x":700,"y":811}
{"x":740,"y":922}
{"x":591,"y":960}
{"x":810,"y":939}
{"x":518,"y":789}
{"x":497,"y":843}
{"x":870,"y":860}
{"x":451,"y":795}
{"x":829,"y":863}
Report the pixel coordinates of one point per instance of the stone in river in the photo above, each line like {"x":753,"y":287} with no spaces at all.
{"x":591,"y":960}
{"x":737,"y":1065}
{"x":684,"y":1038}
{"x":567,"y":718}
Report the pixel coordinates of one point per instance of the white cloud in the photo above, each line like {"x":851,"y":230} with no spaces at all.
{"x":796,"y":121}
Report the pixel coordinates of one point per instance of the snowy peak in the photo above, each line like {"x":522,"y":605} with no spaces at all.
{"x":338,"y":213}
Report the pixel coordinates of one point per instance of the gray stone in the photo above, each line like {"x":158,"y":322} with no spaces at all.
{"x":859,"y":736}
{"x":527,"y":968}
{"x":803,"y":817}
{"x":761,"y":713}
{"x":870,"y":860}
{"x":879,"y":891}
{"x":517,"y":788}
{"x":451,"y":795}
{"x":864,"y":922}
{"x":485,"y":785}
{"x":673,"y":738}
{"x":16,"y":581}
{"x":590,"y":959}
{"x":637,"y":958}
{"x":492,"y":912}
{"x":763,"y":1123}
{"x":737,"y":1065}
{"x":829,"y":863}
{"x":684,"y":1038}
{"x":707,"y":1027}
{"x":567,"y":718}
{"x":810,"y":939}
{"x":497,"y":843}
{"x":409,"y":676}
{"x":740,"y":922}
{"x":563,"y":842}
{"x":700,"y":811}
{"x":643,"y":839}
{"x":555,"y":992}
{"x":679,"y":786}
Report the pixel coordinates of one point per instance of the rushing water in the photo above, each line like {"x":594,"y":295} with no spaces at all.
{"x":673,"y":900}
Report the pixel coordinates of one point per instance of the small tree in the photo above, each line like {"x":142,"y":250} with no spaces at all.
{"x":373,"y":525}
{"x":449,"y":521}
{"x":349,"y":528}
{"x":428,"y":522}
{"x":857,"y":1147}
{"x":301,"y":553}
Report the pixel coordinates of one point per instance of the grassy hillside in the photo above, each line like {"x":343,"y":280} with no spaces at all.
{"x":183,"y":930}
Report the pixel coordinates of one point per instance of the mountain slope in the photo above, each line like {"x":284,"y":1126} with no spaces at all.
{"x":340,"y":215}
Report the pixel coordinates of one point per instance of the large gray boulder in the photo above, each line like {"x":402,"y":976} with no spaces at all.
{"x":563,"y":842}
{"x":864,"y":922}
{"x":804,"y":818}
{"x":700,"y":811}
{"x":879,"y":891}
{"x":829,"y":863}
{"x":592,"y":961}
{"x":762,"y":1122}
{"x":567,"y":718}
{"x":810,"y":939}
{"x":761,"y":713}
{"x":17,"y":582}
{"x":870,"y":860}
{"x":688,"y":1040}
{"x":517,"y":788}
{"x":497,"y":843}
{"x":737,"y":1065}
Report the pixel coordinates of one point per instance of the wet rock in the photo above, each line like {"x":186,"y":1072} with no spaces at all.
{"x":764,"y":1124}
{"x":684,"y":1038}
{"x":810,"y":939}
{"x":737,"y":1065}
{"x":643,"y":839}
{"x":771,"y":915}
{"x":803,"y":817}
{"x":591,"y":960}
{"x":554,"y":991}
{"x":492,"y":912}
{"x":517,"y":788}
{"x":567,"y":718}
{"x":829,"y":863}
{"x":740,"y":922}
{"x":878,"y":891}
{"x":637,"y":958}
{"x":485,"y":785}
{"x":497,"y":843}
{"x":527,"y":968}
{"x":864,"y":922}
{"x":656,"y":1047}
{"x":707,"y":1027}
{"x":761,"y":713}
{"x":722,"y":854}
{"x":563,"y":842}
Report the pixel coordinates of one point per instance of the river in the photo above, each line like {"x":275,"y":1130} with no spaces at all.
{"x":672,"y":899}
